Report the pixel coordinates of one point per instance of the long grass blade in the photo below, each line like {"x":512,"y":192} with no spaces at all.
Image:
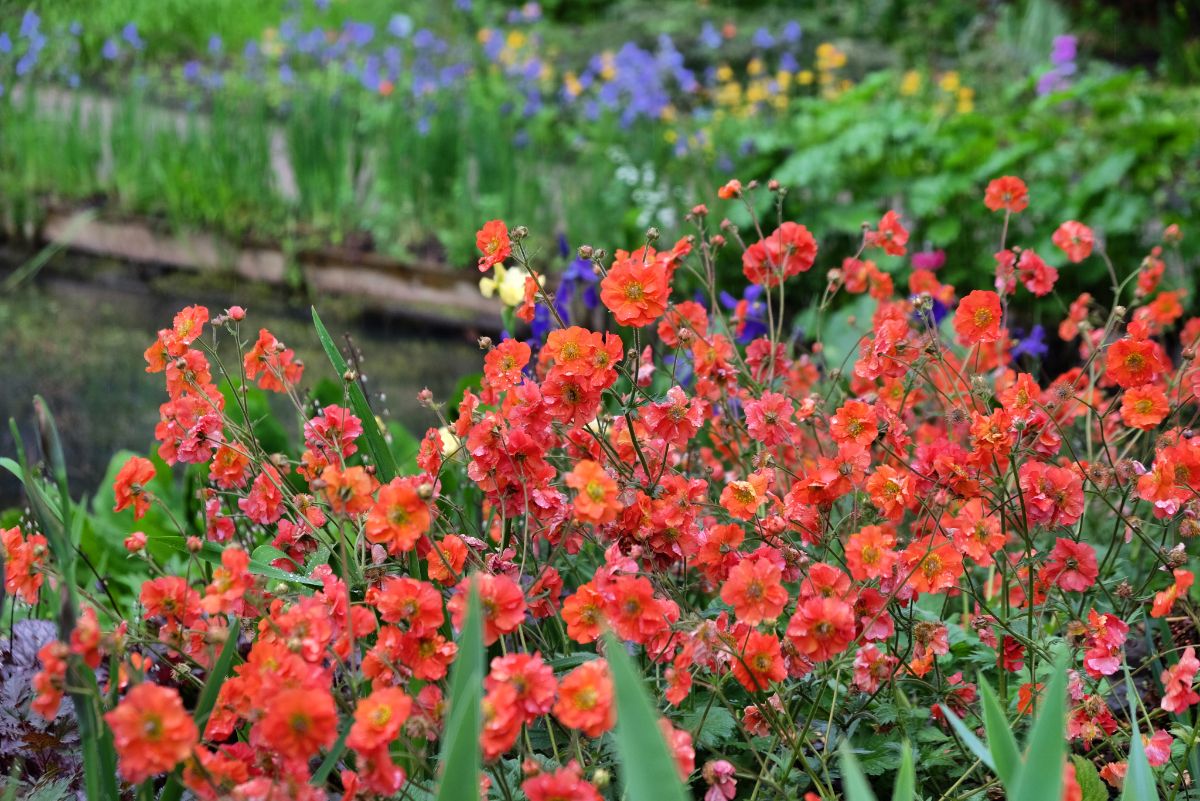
{"x":1041,"y":777}
{"x":460,"y":758}
{"x":1000,"y":739}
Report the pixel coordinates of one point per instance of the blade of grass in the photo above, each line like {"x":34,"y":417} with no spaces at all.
{"x":1041,"y":776}
{"x":1001,"y":742}
{"x":973,"y":743}
{"x":853,"y":781}
{"x":381,"y":455}
{"x":1139,"y":779}
{"x":460,"y":757}
{"x":647,"y":765}
{"x":906,"y":778}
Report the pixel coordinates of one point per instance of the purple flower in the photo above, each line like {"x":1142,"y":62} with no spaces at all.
{"x":1033,"y":345}
{"x":753,"y":317}
{"x":578,"y":280}
{"x":1064,"y":49}
{"x":400,"y":26}
{"x":928,"y":259}
{"x":191,"y":70}
{"x":792,"y":32}
{"x":29,"y":25}
{"x":5,"y":43}
{"x":26,"y":63}
{"x":130,"y":34}
{"x":788,"y":63}
{"x":215,"y":45}
{"x":360,"y":34}
{"x":762,"y":39}
{"x":710,"y":37}
{"x":75,"y":28}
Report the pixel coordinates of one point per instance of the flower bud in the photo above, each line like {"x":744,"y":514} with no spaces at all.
{"x":585,"y":251}
{"x":236,"y":313}
{"x":195,"y":544}
{"x":350,"y":376}
{"x":651,"y":234}
{"x":485,"y":343}
{"x":519,"y":233}
{"x":135,"y":542}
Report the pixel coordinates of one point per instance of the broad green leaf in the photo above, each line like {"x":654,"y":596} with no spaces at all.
{"x":381,"y":455}
{"x":646,"y":763}
{"x":1139,"y":779}
{"x":969,"y":739}
{"x":460,"y":759}
{"x":905,"y":789}
{"x":1001,"y":742}
{"x":1041,"y":777}
{"x":855,"y":783}
{"x":1090,"y":784}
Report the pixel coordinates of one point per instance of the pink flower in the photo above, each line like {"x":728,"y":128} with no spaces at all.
{"x":722,"y":785}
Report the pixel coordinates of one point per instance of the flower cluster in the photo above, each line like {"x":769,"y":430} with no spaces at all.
{"x":801,"y":550}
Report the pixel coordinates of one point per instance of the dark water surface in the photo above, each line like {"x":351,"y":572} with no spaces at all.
{"x":76,"y":332}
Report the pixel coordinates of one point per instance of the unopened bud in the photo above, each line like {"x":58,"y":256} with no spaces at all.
{"x":651,"y":234}
{"x":425,"y":491}
{"x":485,"y":343}
{"x":519,"y":233}
{"x":350,"y":376}
{"x":194,"y":544}
{"x":585,"y":251}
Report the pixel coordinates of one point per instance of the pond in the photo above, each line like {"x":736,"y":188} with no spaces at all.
{"x":76,"y":332}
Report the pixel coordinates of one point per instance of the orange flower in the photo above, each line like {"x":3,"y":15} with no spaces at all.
{"x":378,"y":719}
{"x":731,"y":189}
{"x":854,"y":422}
{"x":635,"y":291}
{"x":1008,"y":193}
{"x":891,"y":491}
{"x":493,"y":242}
{"x":504,"y":363}
{"x":978,"y":318}
{"x":789,"y":250}
{"x":760,"y":662}
{"x":891,"y":235}
{"x":446,"y":559}
{"x":348,"y":491}
{"x":129,"y":487}
{"x":152,"y":732}
{"x":934,"y":563}
{"x":742,"y":498}
{"x":399,"y":516}
{"x":822,"y":628}
{"x":595,"y":493}
{"x":1163,"y":601}
{"x":585,"y":699}
{"x":583,"y":613}
{"x":1075,"y":239}
{"x":1144,"y":407}
{"x":755,"y":590}
{"x":1133,"y":362}
{"x":870,"y":554}
{"x":501,"y":600}
{"x":299,"y":722}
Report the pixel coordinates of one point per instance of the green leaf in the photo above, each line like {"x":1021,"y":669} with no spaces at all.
{"x":973,"y":743}
{"x":460,"y":758}
{"x":647,"y":765}
{"x":1139,"y":779}
{"x":331,"y":759}
{"x":855,"y":783}
{"x":211,"y":553}
{"x":905,"y":789}
{"x":1001,"y":743}
{"x":1090,"y":784}
{"x":381,"y":455}
{"x":1041,"y":777}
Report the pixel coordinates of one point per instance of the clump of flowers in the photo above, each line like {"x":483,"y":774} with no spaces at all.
{"x":798,"y":552}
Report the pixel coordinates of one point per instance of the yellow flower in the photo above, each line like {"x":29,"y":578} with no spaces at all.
{"x":515,"y":40}
{"x":966,"y":100}
{"x":485,"y":35}
{"x":784,"y":79}
{"x":724,"y":73}
{"x":608,"y":67}
{"x":910,"y":84}
{"x":755,"y":66}
{"x":572,"y":85}
{"x":805,"y":77}
{"x":950,"y":82}
{"x":670,"y":136}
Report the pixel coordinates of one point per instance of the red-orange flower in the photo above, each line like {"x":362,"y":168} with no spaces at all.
{"x":585,"y":699}
{"x":378,"y":718}
{"x":978,"y":318}
{"x":1144,"y":407}
{"x":1163,"y":601}
{"x":934,"y":564}
{"x":129,"y":487}
{"x":1133,"y":362}
{"x":501,"y":600}
{"x":755,"y":590}
{"x":152,"y":732}
{"x":635,"y":290}
{"x":1075,"y":239}
{"x":789,"y":250}
{"x":822,"y":628}
{"x":299,"y":722}
{"x":742,"y":498}
{"x":595,"y":493}
{"x":760,"y":662}
{"x":399,"y":516}
{"x":1008,"y":193}
{"x":493,"y":242}
{"x":870,"y":554}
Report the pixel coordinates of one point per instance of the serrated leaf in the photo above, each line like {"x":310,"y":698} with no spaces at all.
{"x":647,"y":766}
{"x":381,"y":454}
{"x":1041,"y":777}
{"x":1088,"y":778}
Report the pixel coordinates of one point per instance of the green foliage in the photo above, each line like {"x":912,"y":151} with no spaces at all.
{"x":647,"y":765}
{"x":460,"y":757}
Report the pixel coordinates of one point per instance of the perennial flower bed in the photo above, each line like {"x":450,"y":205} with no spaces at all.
{"x":803,"y":556}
